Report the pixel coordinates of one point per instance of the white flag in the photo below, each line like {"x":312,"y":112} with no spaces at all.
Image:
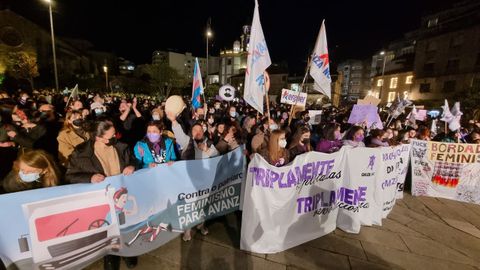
{"x":257,"y":62}
{"x":73,"y":95}
{"x":319,"y":66}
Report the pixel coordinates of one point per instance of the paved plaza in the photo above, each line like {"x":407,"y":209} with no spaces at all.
{"x":420,"y":233}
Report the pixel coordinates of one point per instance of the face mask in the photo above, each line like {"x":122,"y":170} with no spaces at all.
{"x":28,"y":177}
{"x":282,"y":143}
{"x":199,"y":141}
{"x":77,"y":122}
{"x":204,"y":129}
{"x":306,"y":141}
{"x":307,"y":118}
{"x":233,"y":114}
{"x":98,"y":111}
{"x":338,"y":135}
{"x":153,"y":137}
{"x":359,"y":138}
{"x":273,"y":127}
{"x":217,"y":107}
{"x":212,"y":111}
{"x":111,"y":141}
{"x":156,"y":117}
{"x":200,"y":117}
{"x":210,"y":121}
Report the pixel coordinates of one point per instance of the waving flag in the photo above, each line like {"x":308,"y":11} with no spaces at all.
{"x":319,"y":66}
{"x":257,"y":62}
{"x":197,"y":86}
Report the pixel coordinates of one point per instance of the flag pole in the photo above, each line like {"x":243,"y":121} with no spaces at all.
{"x":299,"y":91}
{"x":265,"y":75}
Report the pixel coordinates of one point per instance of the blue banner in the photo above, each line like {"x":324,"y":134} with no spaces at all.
{"x":72,"y":226}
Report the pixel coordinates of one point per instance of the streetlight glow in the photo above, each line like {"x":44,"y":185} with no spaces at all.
{"x":48,"y":1}
{"x":209,"y":33}
{"x":382,"y":52}
{"x":105,"y":69}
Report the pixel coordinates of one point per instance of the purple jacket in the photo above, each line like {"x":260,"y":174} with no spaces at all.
{"x":326,"y":146}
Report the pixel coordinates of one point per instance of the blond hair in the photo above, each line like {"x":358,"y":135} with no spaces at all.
{"x":41,"y":160}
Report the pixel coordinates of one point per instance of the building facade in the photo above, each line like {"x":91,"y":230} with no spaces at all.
{"x":447,"y":53}
{"x":234,"y":61}
{"x":355,"y":81}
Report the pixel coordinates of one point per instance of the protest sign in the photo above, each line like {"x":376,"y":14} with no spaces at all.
{"x":73,"y":226}
{"x":367,"y":114}
{"x":293,"y":98}
{"x":446,"y":170}
{"x":315,"y":117}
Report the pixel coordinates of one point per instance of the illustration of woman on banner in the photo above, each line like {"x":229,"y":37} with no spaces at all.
{"x":120,"y":199}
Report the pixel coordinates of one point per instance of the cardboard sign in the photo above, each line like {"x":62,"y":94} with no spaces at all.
{"x":421,"y":115}
{"x":365,"y":113}
{"x":315,"y":117}
{"x":293,"y":98}
{"x":369,"y":100}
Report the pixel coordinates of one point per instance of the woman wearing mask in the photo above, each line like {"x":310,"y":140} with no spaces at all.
{"x":260,"y":140}
{"x":218,"y":131}
{"x":232,"y":114}
{"x":34,"y":169}
{"x":30,"y":134}
{"x":377,"y":138}
{"x":354,"y":137}
{"x":332,"y":139}
{"x":300,"y":143}
{"x":276,"y":153}
{"x":154,"y":148}
{"x":70,"y":136}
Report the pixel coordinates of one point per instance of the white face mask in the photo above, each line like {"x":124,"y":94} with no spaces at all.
{"x":156,"y":117}
{"x":217,"y":107}
{"x":28,"y":177}
{"x":233,"y":114}
{"x":282,"y":143}
{"x":273,"y":127}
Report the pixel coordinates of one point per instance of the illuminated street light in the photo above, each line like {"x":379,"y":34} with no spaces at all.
{"x":105,"y":69}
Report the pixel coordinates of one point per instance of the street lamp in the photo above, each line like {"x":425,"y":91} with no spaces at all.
{"x":383,"y":72}
{"x":105,"y":69}
{"x":53,"y":43}
{"x":209,"y":34}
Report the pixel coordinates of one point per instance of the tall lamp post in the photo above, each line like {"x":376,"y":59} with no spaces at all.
{"x":53,"y":43}
{"x":105,"y":69}
{"x":209,"y":35}
{"x":383,"y":73}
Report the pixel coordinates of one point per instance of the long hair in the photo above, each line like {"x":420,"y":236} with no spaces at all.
{"x":66,"y":125}
{"x":297,"y":137}
{"x":329,"y":131}
{"x":274,"y":150}
{"x":41,"y":160}
{"x":99,"y":128}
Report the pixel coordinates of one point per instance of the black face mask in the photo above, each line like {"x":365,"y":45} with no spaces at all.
{"x":201,"y":117}
{"x":306,"y":141}
{"x":199,"y":141}
{"x":111,"y":141}
{"x":307,"y":118}
{"x":77,"y":122}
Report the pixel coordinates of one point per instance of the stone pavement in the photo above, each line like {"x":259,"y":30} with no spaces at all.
{"x":420,"y":233}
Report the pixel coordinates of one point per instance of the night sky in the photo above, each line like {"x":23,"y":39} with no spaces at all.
{"x":133,"y":29}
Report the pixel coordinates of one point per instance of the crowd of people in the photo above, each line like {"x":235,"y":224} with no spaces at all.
{"x":49,"y":139}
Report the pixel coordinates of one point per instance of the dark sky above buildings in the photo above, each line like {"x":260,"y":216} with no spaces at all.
{"x":133,"y":29}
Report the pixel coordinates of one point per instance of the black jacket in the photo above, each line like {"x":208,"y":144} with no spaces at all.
{"x":84,"y":164}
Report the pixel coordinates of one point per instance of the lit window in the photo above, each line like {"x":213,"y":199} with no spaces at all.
{"x":409,"y":79}
{"x":405,"y":94}
{"x":391,"y":96}
{"x":380,"y":82}
{"x":393,"y":82}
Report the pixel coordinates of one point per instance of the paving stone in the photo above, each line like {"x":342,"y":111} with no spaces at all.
{"x":406,"y":260}
{"x":415,"y":204}
{"x":374,"y":235}
{"x":337,"y":244}
{"x":463,"y":210}
{"x":448,"y":236}
{"x":434,"y":249}
{"x":396,"y":227}
{"x":357,"y":264}
{"x":305,"y":257}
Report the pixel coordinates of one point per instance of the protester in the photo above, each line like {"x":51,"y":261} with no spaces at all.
{"x":332,"y":139}
{"x":231,"y":138}
{"x":155,"y":148}
{"x":377,"y":138}
{"x":70,"y":136}
{"x":354,"y":137}
{"x":33,"y":169}
{"x":276,"y":153}
{"x":300,"y":143}
{"x":29,"y":133}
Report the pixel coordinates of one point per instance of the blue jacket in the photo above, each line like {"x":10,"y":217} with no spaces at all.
{"x":145,"y":156}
